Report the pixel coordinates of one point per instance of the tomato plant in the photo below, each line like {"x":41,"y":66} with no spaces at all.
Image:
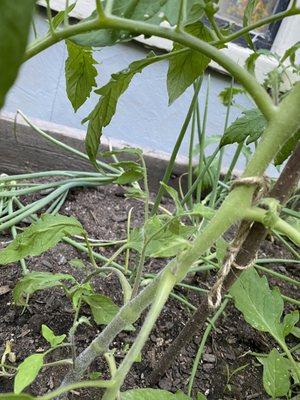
{"x":273,"y":124}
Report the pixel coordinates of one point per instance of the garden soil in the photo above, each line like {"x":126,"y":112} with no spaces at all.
{"x":228,"y":369}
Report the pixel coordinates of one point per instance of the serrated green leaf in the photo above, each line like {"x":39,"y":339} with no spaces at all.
{"x":296,"y":332}
{"x":27,"y":372}
{"x":262,"y":307}
{"x":40,"y":237}
{"x":251,"y":60}
{"x":59,"y":17}
{"x":276,"y":374}
{"x":185,"y":68}
{"x":129,"y":177}
{"x":251,"y":125}
{"x":287,"y":149}
{"x":227,"y":95}
{"x":291,"y":53}
{"x":174,"y":195}
{"x":77,"y":291}
{"x":201,"y":396}
{"x":163,"y":239}
{"x":102,"y":307}
{"x":211,"y":139}
{"x":125,"y":150}
{"x":127,"y":165}
{"x":102,"y":114}
{"x":133,"y":172}
{"x":139,"y":10}
{"x":250,"y":7}
{"x":168,"y":249}
{"x":135,"y":193}
{"x":80,"y":73}
{"x":169,"y":12}
{"x":152,"y":394}
{"x":289,"y":322}
{"x":15,"y":20}
{"x":50,"y":336}
{"x":35,"y":281}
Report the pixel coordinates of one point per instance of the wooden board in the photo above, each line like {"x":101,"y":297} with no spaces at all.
{"x":24,"y":150}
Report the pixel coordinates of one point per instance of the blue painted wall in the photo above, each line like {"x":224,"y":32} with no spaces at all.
{"x":143,"y":117}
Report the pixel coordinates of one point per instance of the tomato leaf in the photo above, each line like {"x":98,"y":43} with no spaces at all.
{"x":185,"y":68}
{"x":102,"y":307}
{"x":174,"y":195}
{"x":262,"y":307}
{"x":15,"y":20}
{"x":106,"y":107}
{"x":28,"y":371}
{"x":291,"y":54}
{"x":289,"y":322}
{"x":35,"y":281}
{"x":251,"y":60}
{"x":251,"y":125}
{"x":59,"y":17}
{"x":164,"y":239}
{"x":276,"y":374}
{"x":250,"y":7}
{"x":80,"y":73}
{"x":152,"y":394}
{"x":287,"y":149}
{"x":132,"y":172}
{"x":40,"y":237}
{"x":50,"y":336}
{"x":227,"y":95}
{"x":139,"y":10}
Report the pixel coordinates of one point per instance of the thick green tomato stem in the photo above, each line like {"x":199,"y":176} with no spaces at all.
{"x":73,"y":386}
{"x":230,"y":212}
{"x":285,"y":123}
{"x":265,"y":21}
{"x":290,"y":357}
{"x":165,"y":286}
{"x":258,"y":215}
{"x":258,"y":93}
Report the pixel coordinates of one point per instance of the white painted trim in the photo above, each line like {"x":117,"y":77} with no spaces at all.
{"x":288,"y":34}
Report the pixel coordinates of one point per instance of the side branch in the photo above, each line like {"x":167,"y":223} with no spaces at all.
{"x":282,"y":190}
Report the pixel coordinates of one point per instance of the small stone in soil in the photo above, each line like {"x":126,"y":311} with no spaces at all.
{"x":165,"y":384}
{"x":208,"y":367}
{"x":210,"y":358}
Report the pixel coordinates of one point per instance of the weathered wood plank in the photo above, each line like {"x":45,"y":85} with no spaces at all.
{"x":24,"y":150}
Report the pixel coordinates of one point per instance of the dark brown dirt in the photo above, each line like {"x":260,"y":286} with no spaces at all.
{"x":103,"y":212}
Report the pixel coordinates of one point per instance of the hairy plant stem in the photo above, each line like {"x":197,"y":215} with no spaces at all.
{"x":284,"y":124}
{"x":73,"y":386}
{"x":258,"y":215}
{"x":284,"y":187}
{"x":164,"y":288}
